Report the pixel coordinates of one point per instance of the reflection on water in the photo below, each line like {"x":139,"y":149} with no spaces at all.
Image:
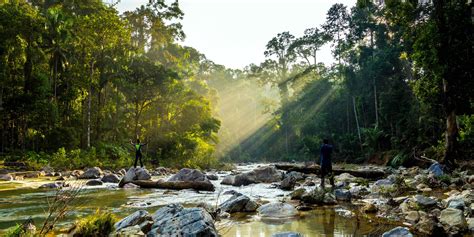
{"x":319,"y":222}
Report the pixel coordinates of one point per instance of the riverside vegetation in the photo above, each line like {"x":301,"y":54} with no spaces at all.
{"x":79,"y":80}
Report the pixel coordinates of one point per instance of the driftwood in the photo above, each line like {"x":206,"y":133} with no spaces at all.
{"x":175,"y":185}
{"x":315,"y":169}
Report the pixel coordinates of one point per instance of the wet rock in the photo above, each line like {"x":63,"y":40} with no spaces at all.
{"x":412,"y":217}
{"x":186,"y":174}
{"x":238,"y":203}
{"x":77,"y":173}
{"x":358,"y":191}
{"x":343,"y":195}
{"x":133,"y":174}
{"x":383,"y":182}
{"x":162,"y":171}
{"x":212,"y":177}
{"x":130,"y":185}
{"x":6,"y":177}
{"x":457,"y":203}
{"x":228,"y":180}
{"x":316,"y":196}
{"x":32,"y":175}
{"x":136,"y":218}
{"x":128,"y":231}
{"x":369,"y":208}
{"x":329,"y":198}
{"x":436,"y":169}
{"x":297,"y":194}
{"x":346,"y":177}
{"x":175,"y":220}
{"x":232,"y":192}
{"x":243,"y":180}
{"x":91,"y":173}
{"x":265,"y":174}
{"x":425,"y":225}
{"x":470,"y":224}
{"x":52,"y":185}
{"x":398,"y":232}
{"x":122,"y":172}
{"x":296,"y":175}
{"x":287,"y":234}
{"x":452,"y":219}
{"x":288,"y":183}
{"x":277,"y":210}
{"x":424,"y":201}
{"x":110,"y":178}
{"x":94,"y":182}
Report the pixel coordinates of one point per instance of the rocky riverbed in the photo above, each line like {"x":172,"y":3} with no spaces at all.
{"x":254,"y":200}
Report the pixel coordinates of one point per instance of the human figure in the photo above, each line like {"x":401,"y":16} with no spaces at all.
{"x":138,"y":152}
{"x":326,"y":163}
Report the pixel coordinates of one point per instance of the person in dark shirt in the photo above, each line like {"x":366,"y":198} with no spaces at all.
{"x":326,"y":163}
{"x":138,"y":152}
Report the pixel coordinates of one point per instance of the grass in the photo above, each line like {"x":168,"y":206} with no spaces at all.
{"x":99,"y":224}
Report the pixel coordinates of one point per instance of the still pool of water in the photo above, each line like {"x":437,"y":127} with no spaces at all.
{"x":20,"y":200}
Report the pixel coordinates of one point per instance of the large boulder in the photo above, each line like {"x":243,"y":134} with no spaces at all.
{"x":110,"y":178}
{"x":94,"y":182}
{"x":188,"y":175}
{"x":288,"y":183}
{"x":398,"y":232}
{"x":141,"y":218}
{"x":424,"y":201}
{"x":91,"y":173}
{"x":343,"y":195}
{"x":175,"y":220}
{"x":228,"y":180}
{"x":453,"y":219}
{"x":52,"y":185}
{"x":238,"y":203}
{"x":277,"y":210}
{"x":266,"y":174}
{"x":436,"y":169}
{"x":296,"y":175}
{"x":133,"y":174}
{"x":134,"y":231}
{"x":6,"y":177}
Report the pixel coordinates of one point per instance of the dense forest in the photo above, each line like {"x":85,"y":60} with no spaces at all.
{"x":79,"y":80}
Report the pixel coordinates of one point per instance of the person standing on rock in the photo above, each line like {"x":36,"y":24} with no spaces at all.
{"x":326,"y":163}
{"x":138,"y":152}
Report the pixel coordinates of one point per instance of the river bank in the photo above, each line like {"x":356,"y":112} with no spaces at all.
{"x":360,"y":207}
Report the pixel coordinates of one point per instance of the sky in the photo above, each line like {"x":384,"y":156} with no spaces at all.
{"x":234,"y":32}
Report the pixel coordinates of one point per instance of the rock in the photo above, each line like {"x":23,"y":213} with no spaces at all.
{"x":52,"y":185}
{"x":470,"y":179}
{"x":238,"y":203}
{"x":134,"y":231}
{"x":345,"y":177}
{"x":424,"y":201}
{"x":161,"y":171}
{"x":6,"y":177}
{"x":110,"y":178}
{"x":136,"y":218}
{"x":288,"y":183}
{"x":316,"y":196}
{"x":296,"y":175}
{"x":383,"y":182}
{"x":267,"y":174}
{"x":133,"y":174}
{"x":60,"y":178}
{"x":287,"y":234}
{"x":470,"y":224}
{"x":77,"y":173}
{"x":369,"y":208}
{"x":329,"y":198}
{"x":32,"y":175}
{"x":18,"y":178}
{"x":297,"y":194}
{"x":436,"y":169}
{"x":345,"y":213}
{"x":457,"y":203}
{"x":425,"y":225}
{"x":4,"y":171}
{"x":186,"y":174}
{"x":232,"y":192}
{"x":175,"y":220}
{"x":212,"y":176}
{"x":94,"y":182}
{"x":277,"y":210}
{"x":91,"y":173}
{"x":452,"y":219}
{"x":228,"y":180}
{"x":122,"y":172}
{"x":412,"y":217}
{"x":343,"y":195}
{"x":398,"y":232}
{"x":243,"y":180}
{"x":130,"y":185}
{"x":358,"y":191}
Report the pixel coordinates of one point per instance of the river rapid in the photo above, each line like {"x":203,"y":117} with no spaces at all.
{"x":20,"y":200}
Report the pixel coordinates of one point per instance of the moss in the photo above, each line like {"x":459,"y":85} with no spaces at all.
{"x":99,"y":224}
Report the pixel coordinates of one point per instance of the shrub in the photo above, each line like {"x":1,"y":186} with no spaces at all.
{"x":99,"y":224}
{"x":15,"y":231}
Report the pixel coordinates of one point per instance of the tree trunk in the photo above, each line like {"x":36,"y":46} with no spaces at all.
{"x":89,"y":105}
{"x":175,"y":185}
{"x":357,"y":120}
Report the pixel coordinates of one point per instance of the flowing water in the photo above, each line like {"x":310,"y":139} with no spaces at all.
{"x":20,"y":200}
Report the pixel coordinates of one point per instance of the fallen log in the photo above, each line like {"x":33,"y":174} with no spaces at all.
{"x":315,"y":169}
{"x":175,"y":185}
